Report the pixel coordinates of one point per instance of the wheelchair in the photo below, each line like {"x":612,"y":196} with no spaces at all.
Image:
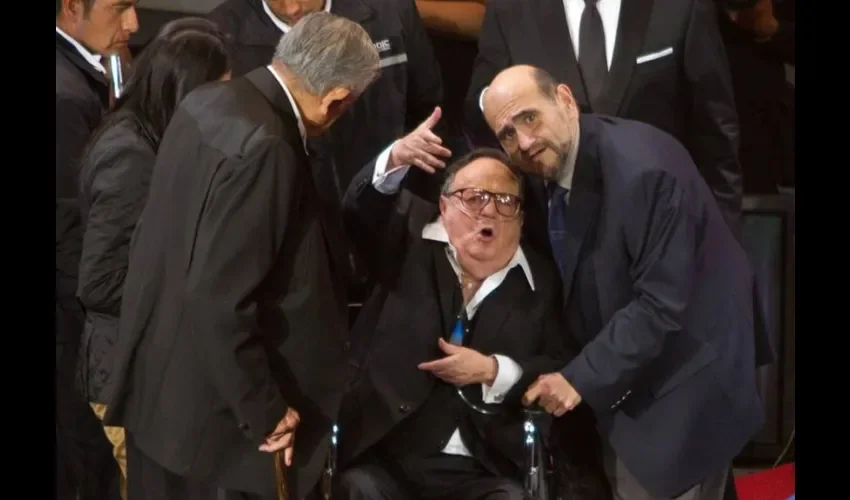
{"x":539,"y":477}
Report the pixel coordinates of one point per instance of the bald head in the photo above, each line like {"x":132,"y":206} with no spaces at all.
{"x":520,"y":79}
{"x":534,"y":118}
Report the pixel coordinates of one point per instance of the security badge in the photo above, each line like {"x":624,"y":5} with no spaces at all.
{"x":387,"y":51}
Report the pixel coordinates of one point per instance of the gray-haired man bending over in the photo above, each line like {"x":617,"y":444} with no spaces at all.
{"x":233,"y":317}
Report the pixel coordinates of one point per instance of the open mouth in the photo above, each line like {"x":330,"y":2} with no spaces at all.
{"x":486,"y":233}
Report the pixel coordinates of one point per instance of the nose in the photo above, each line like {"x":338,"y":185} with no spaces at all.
{"x":129,"y":20}
{"x":524,"y":141}
{"x":489,"y":211}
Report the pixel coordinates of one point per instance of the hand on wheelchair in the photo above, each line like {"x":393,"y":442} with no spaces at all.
{"x":553,"y":393}
{"x":462,"y":366}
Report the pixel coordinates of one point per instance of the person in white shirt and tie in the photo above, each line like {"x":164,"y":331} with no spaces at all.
{"x":661,"y":62}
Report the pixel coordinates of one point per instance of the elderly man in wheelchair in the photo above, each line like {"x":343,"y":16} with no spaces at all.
{"x":462,"y":320}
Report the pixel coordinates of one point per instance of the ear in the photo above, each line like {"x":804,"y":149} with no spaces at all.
{"x":73,"y":7}
{"x":442,"y":204}
{"x":564,"y":95}
{"x":335,"y":102}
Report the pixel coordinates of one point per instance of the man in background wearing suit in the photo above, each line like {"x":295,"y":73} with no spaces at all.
{"x":85,"y":31}
{"x":658,"y":290}
{"x":661,"y":62}
{"x":462,"y":316}
{"x":233,"y":321}
{"x":402,"y":97}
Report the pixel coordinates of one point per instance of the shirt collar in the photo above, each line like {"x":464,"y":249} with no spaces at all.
{"x":301,"y":129}
{"x":282,"y":26}
{"x":436,"y":231}
{"x":91,"y":58}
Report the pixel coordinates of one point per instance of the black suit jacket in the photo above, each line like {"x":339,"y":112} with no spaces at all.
{"x":82,"y":95}
{"x":233,"y":309}
{"x":403,"y":95}
{"x":659,"y":294}
{"x":412,"y":307}
{"x":687,"y":92}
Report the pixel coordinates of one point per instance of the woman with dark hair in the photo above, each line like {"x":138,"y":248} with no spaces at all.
{"x":115,"y":174}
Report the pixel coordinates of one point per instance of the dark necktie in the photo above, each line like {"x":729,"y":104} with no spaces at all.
{"x":591,"y":45}
{"x":557,"y":222}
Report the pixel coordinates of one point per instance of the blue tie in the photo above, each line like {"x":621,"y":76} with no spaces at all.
{"x":558,"y":222}
{"x":460,"y":328}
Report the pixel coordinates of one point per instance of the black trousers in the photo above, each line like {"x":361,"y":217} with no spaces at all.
{"x":437,"y":477}
{"x":85,"y":467}
{"x":147,"y":480}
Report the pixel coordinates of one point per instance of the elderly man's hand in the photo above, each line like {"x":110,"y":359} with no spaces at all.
{"x":422,"y":147}
{"x":553,"y":393}
{"x":462,"y":366}
{"x":283,"y":436}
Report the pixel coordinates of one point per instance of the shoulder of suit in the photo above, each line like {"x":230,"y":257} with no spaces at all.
{"x":234,"y":16}
{"x":231,"y":117}
{"x":72,"y":83}
{"x":640,"y":147}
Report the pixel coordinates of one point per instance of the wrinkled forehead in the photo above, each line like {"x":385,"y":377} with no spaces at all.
{"x":488,"y":174}
{"x":504,"y":107}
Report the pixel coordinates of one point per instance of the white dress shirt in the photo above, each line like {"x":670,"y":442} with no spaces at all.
{"x":609,"y":11}
{"x":508,"y":372}
{"x":90,"y":57}
{"x":282,"y":26}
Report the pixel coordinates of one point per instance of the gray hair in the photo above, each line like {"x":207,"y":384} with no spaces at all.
{"x":324,"y":51}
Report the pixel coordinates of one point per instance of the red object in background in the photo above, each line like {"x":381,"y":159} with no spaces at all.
{"x":771,"y":484}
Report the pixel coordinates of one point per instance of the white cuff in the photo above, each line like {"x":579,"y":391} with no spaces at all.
{"x":508,"y":374}
{"x":481,"y":99}
{"x":387,"y":182}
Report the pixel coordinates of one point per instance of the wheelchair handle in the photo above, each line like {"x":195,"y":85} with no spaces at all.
{"x":534,"y":411}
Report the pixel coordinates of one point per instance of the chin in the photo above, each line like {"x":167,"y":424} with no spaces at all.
{"x":482,"y":251}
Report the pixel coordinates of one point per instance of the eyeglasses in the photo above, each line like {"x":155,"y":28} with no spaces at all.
{"x":475,"y":200}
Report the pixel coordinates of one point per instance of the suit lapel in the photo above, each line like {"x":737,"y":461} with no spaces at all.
{"x":448,"y":289}
{"x":555,"y":35}
{"x":496,"y":308}
{"x":583,"y":210}
{"x":634,"y":19}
